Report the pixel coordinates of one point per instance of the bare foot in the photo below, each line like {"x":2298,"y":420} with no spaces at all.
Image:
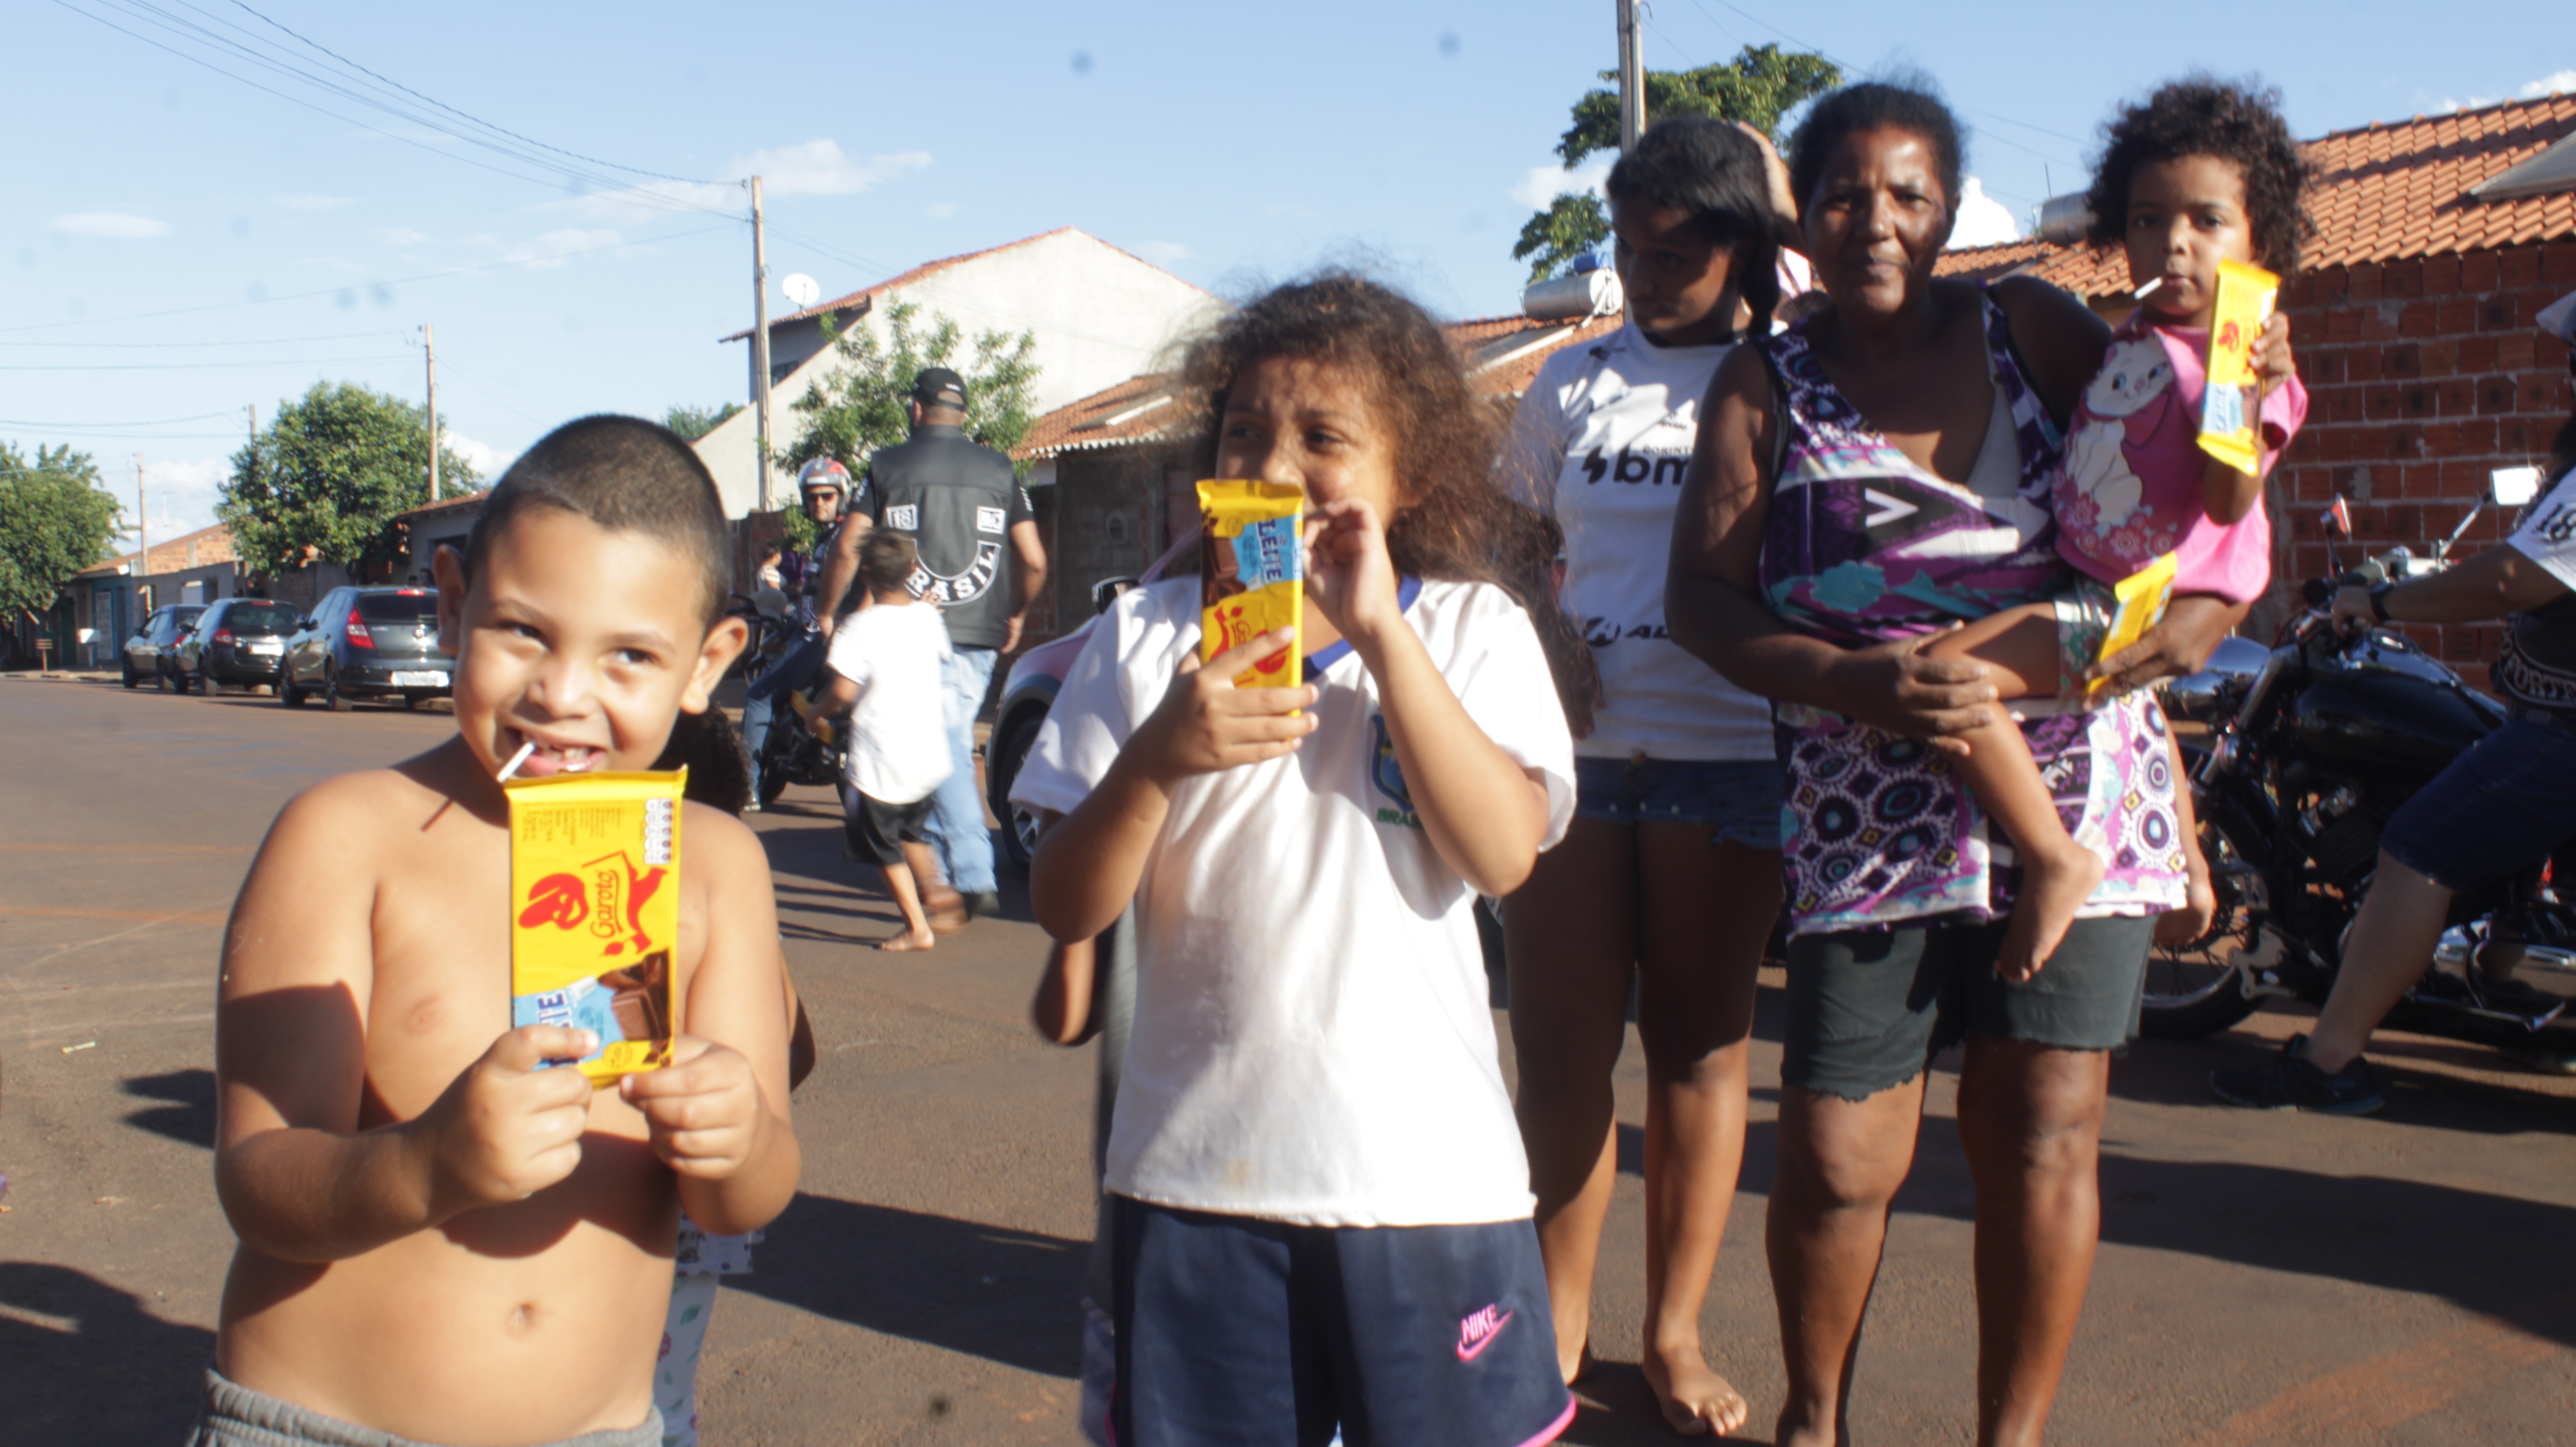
{"x":2053,"y":887}
{"x":1789,"y":1434}
{"x":909,"y":940}
{"x":1575,"y":1368}
{"x":946,"y":908}
{"x":1696,"y":1401}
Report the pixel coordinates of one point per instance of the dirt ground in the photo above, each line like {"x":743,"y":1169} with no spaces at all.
{"x":2262,"y":1280}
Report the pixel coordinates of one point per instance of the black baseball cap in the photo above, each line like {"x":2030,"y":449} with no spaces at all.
{"x":938,"y":387}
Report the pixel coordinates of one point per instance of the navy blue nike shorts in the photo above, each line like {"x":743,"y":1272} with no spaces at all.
{"x":1238,"y":1332}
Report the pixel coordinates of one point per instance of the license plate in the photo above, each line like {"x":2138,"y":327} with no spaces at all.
{"x":420,"y":680}
{"x":264,"y":647}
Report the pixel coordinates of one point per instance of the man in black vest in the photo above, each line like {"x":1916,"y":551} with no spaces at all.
{"x":981,"y":563}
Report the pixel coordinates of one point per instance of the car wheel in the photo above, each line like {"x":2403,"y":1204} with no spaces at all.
{"x":332,"y":697}
{"x":160,"y":677}
{"x":131,"y":681}
{"x":411,"y":701}
{"x":1001,"y":768}
{"x":287,"y":693}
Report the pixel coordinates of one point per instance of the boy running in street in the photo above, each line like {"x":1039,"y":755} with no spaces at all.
{"x":885,"y":661}
{"x":441,"y":1240}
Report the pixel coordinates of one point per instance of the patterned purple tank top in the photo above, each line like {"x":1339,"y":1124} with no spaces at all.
{"x":1862,"y":545}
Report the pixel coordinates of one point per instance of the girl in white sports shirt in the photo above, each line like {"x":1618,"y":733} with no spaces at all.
{"x":1320,"y":1207}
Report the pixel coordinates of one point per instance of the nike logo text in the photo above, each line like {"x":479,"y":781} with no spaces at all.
{"x":1477,"y":1330}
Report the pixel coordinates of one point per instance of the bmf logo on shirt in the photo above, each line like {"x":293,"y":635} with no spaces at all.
{"x":1386,"y":775}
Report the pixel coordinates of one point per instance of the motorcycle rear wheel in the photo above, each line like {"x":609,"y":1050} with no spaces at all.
{"x":774,"y":764}
{"x":2196,"y":989}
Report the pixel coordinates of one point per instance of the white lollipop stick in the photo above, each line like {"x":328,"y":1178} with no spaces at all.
{"x":516,"y":760}
{"x":2141,"y":292}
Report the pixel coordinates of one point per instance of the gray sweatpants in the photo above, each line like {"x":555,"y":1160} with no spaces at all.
{"x":236,"y":1416}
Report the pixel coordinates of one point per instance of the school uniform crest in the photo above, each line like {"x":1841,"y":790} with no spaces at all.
{"x":1386,"y":775}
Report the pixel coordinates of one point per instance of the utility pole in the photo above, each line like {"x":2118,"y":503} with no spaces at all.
{"x":429,"y":348}
{"x":1632,"y":79}
{"x":142,"y":522}
{"x":760,"y":342}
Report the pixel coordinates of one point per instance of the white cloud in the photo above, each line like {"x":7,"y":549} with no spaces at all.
{"x":1983,"y":220}
{"x":2551,"y":84}
{"x":182,"y":494}
{"x":488,"y":460}
{"x":115,"y":225}
{"x":399,"y":235}
{"x":1163,"y":253}
{"x":553,"y":248}
{"x":1542,"y":184}
{"x":811,"y":168}
{"x":314,"y":203}
{"x":941,"y":209}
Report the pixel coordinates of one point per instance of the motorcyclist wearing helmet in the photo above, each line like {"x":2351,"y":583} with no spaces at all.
{"x":2503,"y":806}
{"x":825,"y":487}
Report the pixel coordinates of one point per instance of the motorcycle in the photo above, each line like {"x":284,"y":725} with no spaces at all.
{"x":802,"y":748}
{"x":2313,"y":745}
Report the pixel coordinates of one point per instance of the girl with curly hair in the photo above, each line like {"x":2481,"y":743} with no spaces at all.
{"x":2203,"y":172}
{"x":1320,"y":1209}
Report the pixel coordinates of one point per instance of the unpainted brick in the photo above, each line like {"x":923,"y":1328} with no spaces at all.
{"x":2495,"y":394}
{"x":2558,"y":263}
{"x":2476,"y":354}
{"x":2403,"y":360}
{"x":2478,"y":271}
{"x":2364,"y":285}
{"x":2343,"y":324}
{"x":2518,"y":266}
{"x":2496,"y":312}
{"x":2455,"y":396}
{"x":2441,"y":275}
{"x":2380,"y":401}
{"x":2366,"y":364}
{"x":2401,"y":279}
{"x":2419,"y":319}
{"x":2453,"y":315}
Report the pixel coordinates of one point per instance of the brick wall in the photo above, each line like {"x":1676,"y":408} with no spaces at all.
{"x":2423,"y":376}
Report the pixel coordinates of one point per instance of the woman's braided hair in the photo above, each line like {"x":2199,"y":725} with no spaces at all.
{"x":1455,"y":523}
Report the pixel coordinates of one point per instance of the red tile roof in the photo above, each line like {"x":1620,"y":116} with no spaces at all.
{"x":865,"y":297}
{"x":213,"y":545}
{"x":2383,"y":193}
{"x":474,"y":498}
{"x":1503,"y":357}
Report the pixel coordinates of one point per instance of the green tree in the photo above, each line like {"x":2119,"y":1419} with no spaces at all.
{"x":696,"y":422}
{"x":54,"y":521}
{"x":858,"y":407}
{"x":326,"y":477}
{"x":1759,"y":86}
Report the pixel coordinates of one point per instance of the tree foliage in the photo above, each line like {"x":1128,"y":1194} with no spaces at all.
{"x":859,"y":406}
{"x":54,"y":521}
{"x":326,"y":477}
{"x":1759,"y":86}
{"x":696,"y":422}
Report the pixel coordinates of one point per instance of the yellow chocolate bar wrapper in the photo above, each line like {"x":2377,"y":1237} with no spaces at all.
{"x":2140,"y":601}
{"x":1252,"y":576}
{"x":595,"y":912}
{"x":2231,"y":406}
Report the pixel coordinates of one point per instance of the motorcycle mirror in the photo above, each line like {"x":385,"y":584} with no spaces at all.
{"x":2338,"y":518}
{"x":2513,"y":486}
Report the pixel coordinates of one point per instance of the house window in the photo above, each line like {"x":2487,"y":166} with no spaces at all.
{"x":1114,"y":527}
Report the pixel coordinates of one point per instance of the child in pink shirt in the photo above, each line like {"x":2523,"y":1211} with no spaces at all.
{"x":2203,"y":172}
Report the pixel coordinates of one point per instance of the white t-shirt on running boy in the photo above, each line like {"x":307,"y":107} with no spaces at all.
{"x":1601,"y":442}
{"x":1312,"y":1039}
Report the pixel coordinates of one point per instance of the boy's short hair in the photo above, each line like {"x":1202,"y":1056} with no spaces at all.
{"x":2201,"y":115}
{"x":887,"y":559}
{"x":626,"y":475}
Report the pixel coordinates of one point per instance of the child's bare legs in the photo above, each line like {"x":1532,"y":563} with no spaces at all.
{"x":2019,"y":648}
{"x":899,"y":883}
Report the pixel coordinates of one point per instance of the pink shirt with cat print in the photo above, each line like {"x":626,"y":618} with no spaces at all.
{"x":2130,"y":489}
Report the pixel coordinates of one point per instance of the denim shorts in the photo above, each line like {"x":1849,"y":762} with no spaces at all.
{"x":1737,"y":800}
{"x":2502,"y":807}
{"x":1868,"y":1009}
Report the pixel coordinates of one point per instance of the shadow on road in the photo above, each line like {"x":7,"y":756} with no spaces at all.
{"x":189,"y":1117}
{"x":110,"y":1373}
{"x":1007,"y":1296}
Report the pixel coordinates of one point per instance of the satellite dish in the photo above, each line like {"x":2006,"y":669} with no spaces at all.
{"x":802,"y":289}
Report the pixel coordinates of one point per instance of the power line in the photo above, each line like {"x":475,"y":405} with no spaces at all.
{"x":248,"y":342}
{"x":155,"y":422}
{"x":185,"y":366}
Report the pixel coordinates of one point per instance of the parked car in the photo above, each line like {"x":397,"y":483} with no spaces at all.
{"x":238,"y":641}
{"x":358,"y":643}
{"x":149,"y":650}
{"x":1030,"y":691}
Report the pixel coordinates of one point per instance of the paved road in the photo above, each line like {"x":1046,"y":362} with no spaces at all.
{"x":2263,"y":1280}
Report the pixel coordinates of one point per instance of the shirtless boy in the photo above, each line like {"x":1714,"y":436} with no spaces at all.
{"x":440,"y":1240}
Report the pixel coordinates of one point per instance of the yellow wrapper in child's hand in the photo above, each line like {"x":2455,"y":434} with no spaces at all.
{"x":595,"y":912}
{"x":1252,"y":578}
{"x":2231,"y":407}
{"x":2140,"y":600}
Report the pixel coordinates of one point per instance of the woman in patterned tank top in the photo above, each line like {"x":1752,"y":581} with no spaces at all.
{"x":1863,"y":482}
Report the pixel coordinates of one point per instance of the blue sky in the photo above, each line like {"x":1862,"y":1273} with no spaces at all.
{"x":186,"y":245}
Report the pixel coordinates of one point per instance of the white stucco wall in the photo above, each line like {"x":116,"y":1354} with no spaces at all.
{"x":1100,"y":317}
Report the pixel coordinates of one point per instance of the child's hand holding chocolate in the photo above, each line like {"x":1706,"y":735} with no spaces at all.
{"x":508,"y":1127}
{"x":703,"y":1110}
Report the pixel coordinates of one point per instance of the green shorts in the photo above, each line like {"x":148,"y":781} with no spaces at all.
{"x":1868,"y":1009}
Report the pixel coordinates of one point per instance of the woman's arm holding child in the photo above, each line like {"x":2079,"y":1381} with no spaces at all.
{"x":1485,"y":813}
{"x":298,"y":1179}
{"x":718,"y":1112}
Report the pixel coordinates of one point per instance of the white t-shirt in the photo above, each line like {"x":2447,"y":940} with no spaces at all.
{"x":1312,"y":1039}
{"x":898,"y":748}
{"x":1601,"y":441}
